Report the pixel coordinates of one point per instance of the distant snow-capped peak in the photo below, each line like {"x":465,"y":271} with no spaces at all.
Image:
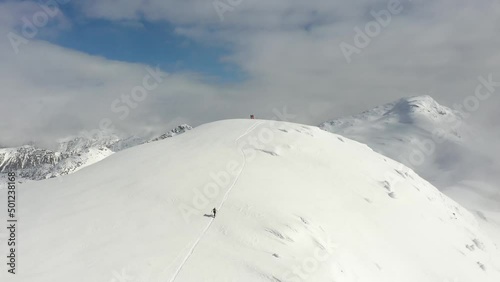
{"x":414,"y":108}
{"x":419,"y":112}
{"x":407,"y":128}
{"x":71,"y":154}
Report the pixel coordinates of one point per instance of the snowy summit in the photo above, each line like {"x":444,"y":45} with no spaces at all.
{"x":294,"y":203}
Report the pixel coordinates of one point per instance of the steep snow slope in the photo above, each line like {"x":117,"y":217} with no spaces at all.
{"x":438,"y":144}
{"x":295,"y":204}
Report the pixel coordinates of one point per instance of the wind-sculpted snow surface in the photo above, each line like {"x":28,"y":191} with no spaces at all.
{"x":439,"y":145}
{"x":295,"y":204}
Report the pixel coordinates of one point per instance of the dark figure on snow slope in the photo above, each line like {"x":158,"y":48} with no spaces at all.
{"x":215,"y":211}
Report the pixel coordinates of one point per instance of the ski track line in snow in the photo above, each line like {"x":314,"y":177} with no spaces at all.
{"x":191,"y":251}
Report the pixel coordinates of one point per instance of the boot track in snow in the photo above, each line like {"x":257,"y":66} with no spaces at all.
{"x":191,"y":251}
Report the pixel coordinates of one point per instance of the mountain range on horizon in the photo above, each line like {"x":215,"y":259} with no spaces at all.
{"x":406,"y":130}
{"x":396,"y":129}
{"x":31,"y":162}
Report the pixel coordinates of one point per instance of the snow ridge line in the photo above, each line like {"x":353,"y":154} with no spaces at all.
{"x":191,"y":251}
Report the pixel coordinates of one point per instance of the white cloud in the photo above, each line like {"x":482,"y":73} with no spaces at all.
{"x":288,"y":49}
{"x":22,"y":16}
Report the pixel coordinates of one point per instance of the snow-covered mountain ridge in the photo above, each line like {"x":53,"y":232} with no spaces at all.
{"x":294,"y":203}
{"x":439,"y":144}
{"x":418,"y":132}
{"x":34,"y":163}
{"x":421,"y":112}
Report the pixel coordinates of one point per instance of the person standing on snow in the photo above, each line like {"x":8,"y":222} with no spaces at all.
{"x":215,"y":211}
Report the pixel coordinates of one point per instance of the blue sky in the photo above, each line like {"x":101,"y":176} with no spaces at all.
{"x":282,"y":53}
{"x":150,"y":42}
